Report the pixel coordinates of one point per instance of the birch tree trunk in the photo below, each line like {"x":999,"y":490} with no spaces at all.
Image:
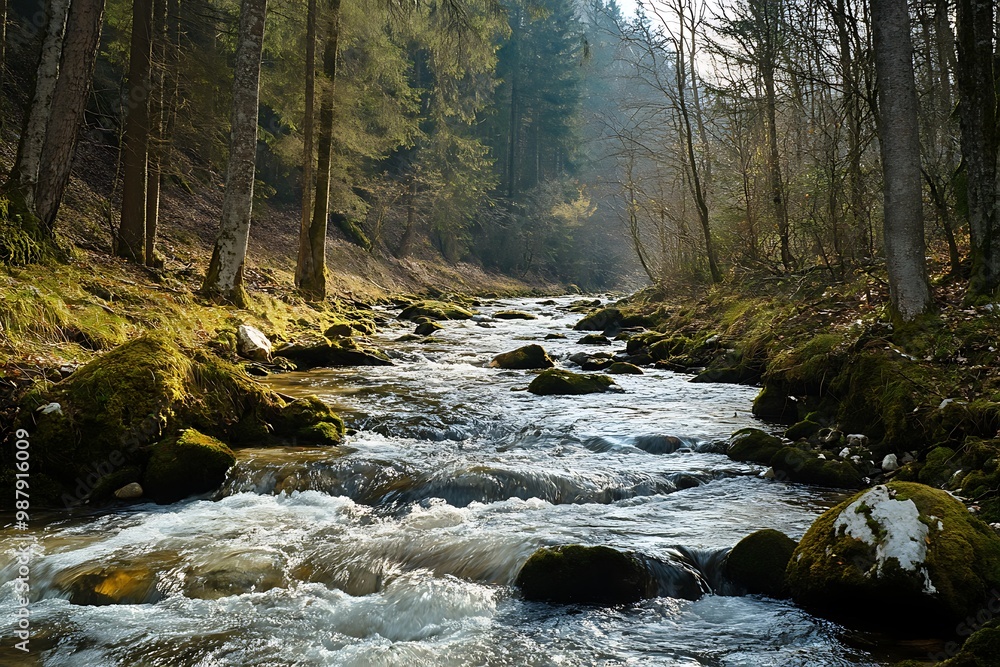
{"x":132,"y":230}
{"x":69,"y":102}
{"x":980,"y":139}
{"x":900,"y":142}
{"x":312,"y":271}
{"x":24,"y":175}
{"x":308,"y":150}
{"x":225,"y":272}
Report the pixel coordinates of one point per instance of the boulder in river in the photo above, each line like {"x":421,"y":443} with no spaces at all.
{"x":556,"y":381}
{"x":326,"y":354}
{"x":514,"y":315}
{"x":185,"y":465}
{"x":253,"y":344}
{"x":310,"y":421}
{"x":757,"y":563}
{"x":435,"y":310}
{"x":100,"y":586}
{"x":751,"y":445}
{"x":623,"y":368}
{"x":601,"y":320}
{"x":900,"y":556}
{"x":804,"y":466}
{"x":529,"y":357}
{"x":594,"y":339}
{"x":773,"y":405}
{"x":802,"y":430}
{"x":587,"y":575}
{"x":427,"y":328}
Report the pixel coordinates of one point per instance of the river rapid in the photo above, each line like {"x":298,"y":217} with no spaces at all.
{"x":403,"y":550}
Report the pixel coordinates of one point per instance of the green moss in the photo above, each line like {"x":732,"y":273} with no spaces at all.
{"x":523,"y":358}
{"x":579,"y":574}
{"x":808,"y":368}
{"x":757,"y":563}
{"x":752,"y":445}
{"x":940,"y":466}
{"x":427,"y":328}
{"x":188,"y":464}
{"x":600,"y":320}
{"x":802,"y":430}
{"x":774,"y":405}
{"x":310,"y":421}
{"x":556,"y":381}
{"x":805,"y":467}
{"x":835,"y":573}
{"x":435,"y":310}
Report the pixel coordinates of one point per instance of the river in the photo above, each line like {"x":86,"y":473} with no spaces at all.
{"x":402,"y":550}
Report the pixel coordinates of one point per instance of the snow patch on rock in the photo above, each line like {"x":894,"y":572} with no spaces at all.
{"x":903,"y":535}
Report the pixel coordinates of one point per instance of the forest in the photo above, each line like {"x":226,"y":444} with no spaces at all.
{"x":500,"y":332}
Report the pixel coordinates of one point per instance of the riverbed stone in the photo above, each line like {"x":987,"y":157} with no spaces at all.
{"x":757,"y":563}
{"x":529,"y":357}
{"x":251,"y":343}
{"x":556,"y":381}
{"x":130,"y":491}
{"x":427,"y":328}
{"x":600,"y":320}
{"x":435,"y":310}
{"x":802,"y":430}
{"x":623,"y":368}
{"x":900,"y":556}
{"x":796,"y":464}
{"x":773,"y":405}
{"x":752,"y":445}
{"x":583,"y":574}
{"x":102,"y":586}
{"x":514,"y":315}
{"x":187,"y":464}
{"x":594,"y":339}
{"x":309,"y":421}
{"x":343,"y":352}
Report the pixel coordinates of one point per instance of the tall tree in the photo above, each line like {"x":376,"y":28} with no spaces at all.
{"x":900,"y":141}
{"x":224,"y":279}
{"x":311,"y":272}
{"x":978,"y":115}
{"x":69,"y":102}
{"x":135,"y":154}
{"x":308,"y":150}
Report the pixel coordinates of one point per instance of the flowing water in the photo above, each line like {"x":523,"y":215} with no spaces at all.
{"x":403,"y":550}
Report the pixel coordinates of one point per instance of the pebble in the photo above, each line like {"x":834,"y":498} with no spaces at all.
{"x":129,"y":492}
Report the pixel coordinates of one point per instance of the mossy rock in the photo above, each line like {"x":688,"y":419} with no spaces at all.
{"x":774,"y":405}
{"x":514,"y":315}
{"x":982,"y":649}
{"x":601,"y":320}
{"x":559,"y":382}
{"x":435,"y":310}
{"x":757,"y":563}
{"x":114,"y":406}
{"x":594,"y":339}
{"x":186,"y":465}
{"x":108,"y":484}
{"x":751,"y":445}
{"x":940,"y":467}
{"x":309,"y":421}
{"x":340,"y":330}
{"x":583,"y":575}
{"x":806,"y":467}
{"x":341,"y":353}
{"x":902,"y":557}
{"x":802,"y":430}
{"x":664,"y":349}
{"x":524,"y":358}
{"x":623,"y":368}
{"x":427,"y":328}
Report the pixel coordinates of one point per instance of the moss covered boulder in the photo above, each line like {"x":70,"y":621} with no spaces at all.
{"x":751,"y":445}
{"x":340,"y":353}
{"x":807,"y":467}
{"x":309,"y":421}
{"x":776,"y":406}
{"x":524,"y":358}
{"x":427,"y":328}
{"x":757,"y":563}
{"x":802,"y":430}
{"x":585,"y":575}
{"x":184,"y":465}
{"x":559,"y":382}
{"x":601,"y":320}
{"x":435,"y":310}
{"x":514,"y":315}
{"x":901,"y":556}
{"x":982,"y":649}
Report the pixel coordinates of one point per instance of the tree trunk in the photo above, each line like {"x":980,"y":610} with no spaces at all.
{"x":132,"y":230}
{"x":157,"y":134}
{"x":27,"y":164}
{"x":900,"y":141}
{"x":774,"y":168}
{"x":225,"y":271}
{"x":313,"y":271}
{"x":307,"y":145}
{"x":978,"y":119}
{"x":69,"y":102}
